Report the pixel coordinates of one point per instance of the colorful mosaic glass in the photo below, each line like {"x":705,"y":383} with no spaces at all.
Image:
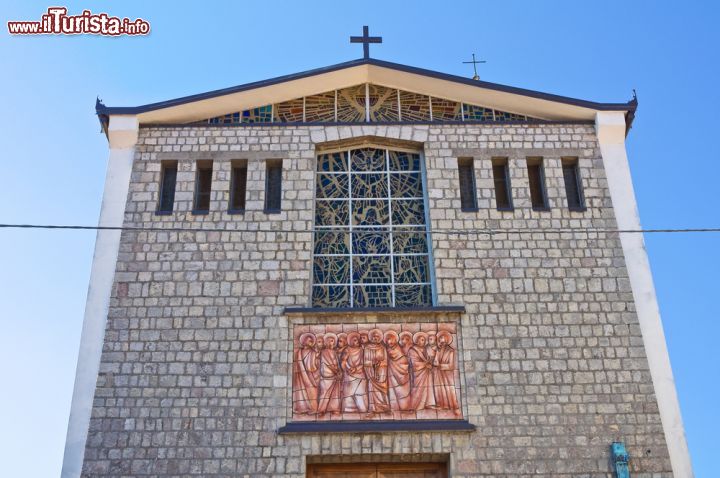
{"x":446,"y":110}
{"x":505,"y":116}
{"x":477,"y":113}
{"x":261,"y":114}
{"x":371,"y":230}
{"x":348,"y":105}
{"x":383,"y":103}
{"x":232,"y":118}
{"x":351,"y":104}
{"x":414,"y":107}
{"x":290,"y":111}
{"x":320,"y":108}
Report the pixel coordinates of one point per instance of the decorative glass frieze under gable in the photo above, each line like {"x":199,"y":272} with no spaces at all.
{"x":371,"y":246}
{"x":367,"y":103}
{"x":261,"y":114}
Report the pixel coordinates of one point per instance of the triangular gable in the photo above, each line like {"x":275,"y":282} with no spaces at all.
{"x":315,"y":83}
{"x":367,"y":103}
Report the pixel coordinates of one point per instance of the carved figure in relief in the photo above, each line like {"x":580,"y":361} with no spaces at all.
{"x":331,"y":377}
{"x":431,"y":347}
{"x":422,"y":380}
{"x":375,"y":365}
{"x":355,"y":385}
{"x":406,"y":341}
{"x":391,"y":372}
{"x":341,"y":345}
{"x":305,"y":376}
{"x":398,"y":373}
{"x":444,"y":374}
{"x":319,"y":342}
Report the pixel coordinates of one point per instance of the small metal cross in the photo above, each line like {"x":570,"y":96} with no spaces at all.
{"x":366,"y":39}
{"x":474,"y":64}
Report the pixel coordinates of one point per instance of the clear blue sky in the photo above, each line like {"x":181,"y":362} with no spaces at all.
{"x":53,"y":157}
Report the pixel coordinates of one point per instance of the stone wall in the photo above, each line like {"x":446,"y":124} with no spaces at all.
{"x":196,"y":362}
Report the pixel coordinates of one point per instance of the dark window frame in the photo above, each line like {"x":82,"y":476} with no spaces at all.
{"x":463,"y":165}
{"x":573,"y":164}
{"x":202,"y":167}
{"x":163,"y":208}
{"x":237,"y":166}
{"x":270,"y":207}
{"x":504,"y":163}
{"x":532,"y":163}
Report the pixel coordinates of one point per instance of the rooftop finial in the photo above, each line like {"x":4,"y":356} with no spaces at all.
{"x":474,"y":64}
{"x":366,"y":39}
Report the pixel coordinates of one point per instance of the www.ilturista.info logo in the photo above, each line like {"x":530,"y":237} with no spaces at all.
{"x":57,"y":22}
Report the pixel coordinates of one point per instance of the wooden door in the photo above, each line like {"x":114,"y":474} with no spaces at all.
{"x":378,"y":470}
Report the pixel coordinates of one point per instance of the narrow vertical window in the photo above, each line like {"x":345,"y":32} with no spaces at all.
{"x":273,"y":185}
{"x":203,"y":186}
{"x":468,"y":194}
{"x":238,"y":182}
{"x":536,"y":176}
{"x":168,"y":177}
{"x":573,"y":185}
{"x":501,"y":178}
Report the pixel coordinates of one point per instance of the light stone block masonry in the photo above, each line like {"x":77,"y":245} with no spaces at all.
{"x":194,"y":372}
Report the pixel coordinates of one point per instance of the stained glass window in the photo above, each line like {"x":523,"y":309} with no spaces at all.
{"x":320,"y":108}
{"x":290,"y":111}
{"x":351,"y":104}
{"x":261,"y":114}
{"x":356,"y":104}
{"x":383,"y":103}
{"x":371,"y":240}
{"x":505,"y":116}
{"x":414,"y":107}
{"x":446,"y":110}
{"x":477,"y":113}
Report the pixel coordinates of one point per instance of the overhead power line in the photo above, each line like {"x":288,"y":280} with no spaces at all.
{"x":487,"y":231}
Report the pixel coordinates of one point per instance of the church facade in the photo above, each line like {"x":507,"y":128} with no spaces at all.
{"x":372,"y":269}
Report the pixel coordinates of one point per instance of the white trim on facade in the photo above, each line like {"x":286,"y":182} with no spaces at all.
{"x":610,"y":128}
{"x":122,"y":135}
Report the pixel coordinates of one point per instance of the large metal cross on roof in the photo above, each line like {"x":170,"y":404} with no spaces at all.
{"x":366,"y":39}
{"x":474,"y":64}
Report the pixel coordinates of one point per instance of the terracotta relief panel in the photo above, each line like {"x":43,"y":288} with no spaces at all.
{"x":375,"y":372}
